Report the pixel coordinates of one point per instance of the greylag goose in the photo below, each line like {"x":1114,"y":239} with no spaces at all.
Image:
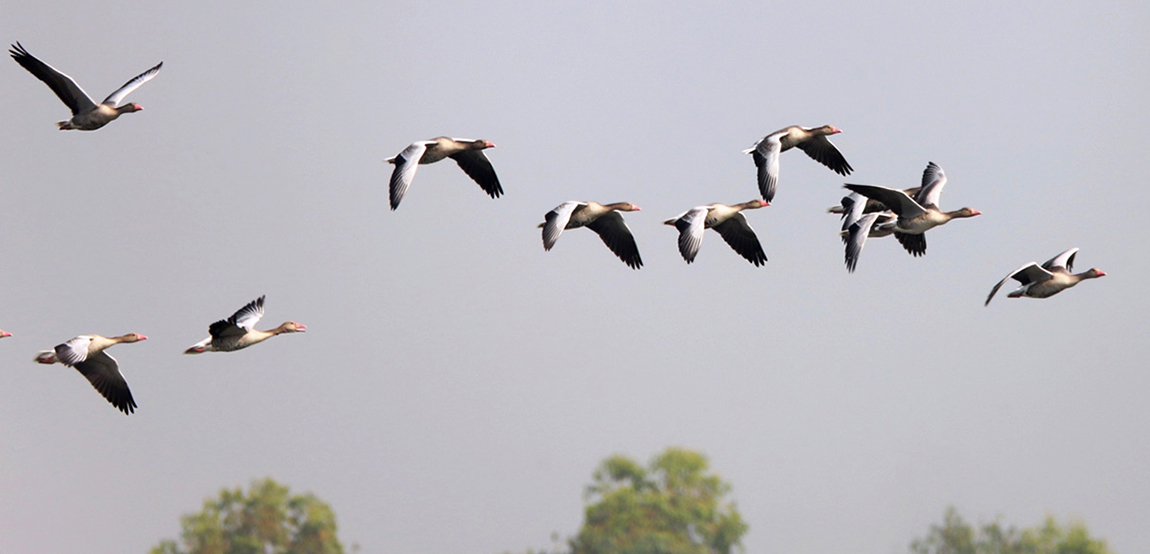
{"x":1046,"y":280}
{"x":604,"y":219}
{"x":468,"y":153}
{"x":728,"y":221}
{"x":915,"y":215}
{"x":813,"y":141}
{"x":859,"y":225}
{"x":86,"y":114}
{"x":238,"y":332}
{"x":86,"y":354}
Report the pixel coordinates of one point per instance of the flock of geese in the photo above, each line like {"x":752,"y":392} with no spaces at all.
{"x":868,"y":212}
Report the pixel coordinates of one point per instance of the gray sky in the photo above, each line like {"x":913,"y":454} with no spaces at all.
{"x":457,"y":384}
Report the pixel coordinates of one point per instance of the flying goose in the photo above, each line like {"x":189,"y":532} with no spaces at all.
{"x":915,"y":215}
{"x":812,"y":140}
{"x":238,"y":332}
{"x":1046,"y":280}
{"x":86,"y":354}
{"x":468,"y":153}
{"x":604,"y":219}
{"x":728,"y":221}
{"x":86,"y":114}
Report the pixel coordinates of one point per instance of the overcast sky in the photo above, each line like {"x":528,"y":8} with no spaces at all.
{"x":457,"y":385}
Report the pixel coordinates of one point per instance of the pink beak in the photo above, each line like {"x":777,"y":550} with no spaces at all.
{"x":5,"y":334}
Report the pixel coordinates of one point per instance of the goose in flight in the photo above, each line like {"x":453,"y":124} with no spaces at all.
{"x":728,"y":221}
{"x":604,"y":219}
{"x":238,"y":332}
{"x":812,"y":140}
{"x":86,"y":114}
{"x":916,"y":215}
{"x":87,"y":354}
{"x":468,"y":153}
{"x":1049,"y":279}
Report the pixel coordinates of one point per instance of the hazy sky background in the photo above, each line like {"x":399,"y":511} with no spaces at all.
{"x":457,"y":384}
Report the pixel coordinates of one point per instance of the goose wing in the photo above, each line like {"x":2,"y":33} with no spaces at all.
{"x":742,"y":239}
{"x":406,"y":163}
{"x":691,"y":225}
{"x":556,"y":221}
{"x":64,"y":86}
{"x":476,"y":165}
{"x":933,"y":179}
{"x":615,"y":234}
{"x":856,"y":239}
{"x":241,"y":322}
{"x":822,"y":150}
{"x":894,"y":199}
{"x":133,"y":84}
{"x":766,"y":155}
{"x":1065,"y":259}
{"x":104,"y":373}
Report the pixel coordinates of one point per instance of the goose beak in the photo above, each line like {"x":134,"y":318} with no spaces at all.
{"x":5,"y":334}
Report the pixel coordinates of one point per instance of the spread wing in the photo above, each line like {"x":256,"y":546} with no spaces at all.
{"x":104,"y":373}
{"x":243,"y":320}
{"x":822,"y":150}
{"x":133,"y":84}
{"x":691,"y":225}
{"x":933,"y":179}
{"x":74,"y":350}
{"x":556,"y":222}
{"x":766,"y":155}
{"x":856,"y":237}
{"x":64,"y":86}
{"x":618,"y":238}
{"x":894,"y":199}
{"x":476,"y":165}
{"x":406,"y":163}
{"x":1065,"y":259}
{"x":742,"y":239}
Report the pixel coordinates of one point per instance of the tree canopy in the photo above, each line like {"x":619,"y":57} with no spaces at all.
{"x":956,"y":536}
{"x":672,"y":506}
{"x":267,"y":520}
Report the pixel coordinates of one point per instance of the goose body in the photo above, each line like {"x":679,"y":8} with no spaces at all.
{"x":238,"y":331}
{"x":468,"y":153}
{"x":87,"y":115}
{"x":812,"y":140}
{"x":87,"y":354}
{"x":604,"y":219}
{"x":728,"y":221}
{"x":1049,"y":279}
{"x":916,"y":215}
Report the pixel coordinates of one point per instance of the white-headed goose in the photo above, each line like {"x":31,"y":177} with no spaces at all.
{"x":813,"y":141}
{"x":604,"y":219}
{"x":915,"y":215}
{"x":86,"y":354}
{"x":468,"y":153}
{"x":1046,"y":280}
{"x":238,"y":332}
{"x":728,"y":221}
{"x":86,"y":114}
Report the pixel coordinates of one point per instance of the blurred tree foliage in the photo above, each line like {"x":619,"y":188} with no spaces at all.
{"x":956,"y":536}
{"x":672,"y":506}
{"x":267,"y":520}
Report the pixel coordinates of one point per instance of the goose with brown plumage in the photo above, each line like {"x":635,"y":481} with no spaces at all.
{"x":468,"y":153}
{"x":812,"y":140}
{"x":86,"y":114}
{"x":1049,"y":279}
{"x":87,"y":354}
{"x":731,"y":224}
{"x":239,"y":332}
{"x":916,"y":215}
{"x":604,"y":219}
